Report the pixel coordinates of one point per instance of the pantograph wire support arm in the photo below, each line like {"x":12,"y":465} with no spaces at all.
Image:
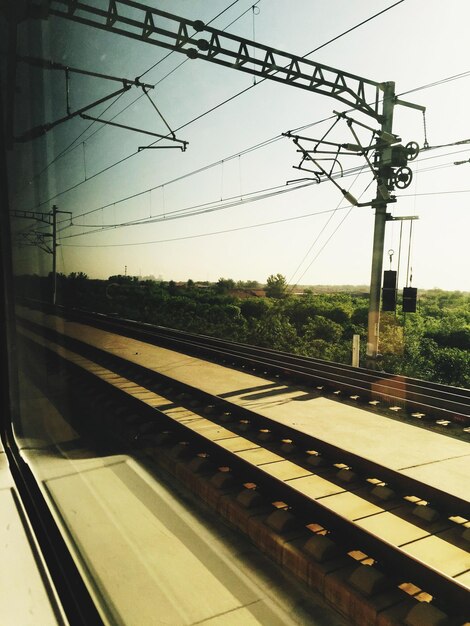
{"x":388,"y":168}
{"x":144,"y":23}
{"x":126,"y":85}
{"x":42,"y":129}
{"x":34,"y":238}
{"x":48,"y":64}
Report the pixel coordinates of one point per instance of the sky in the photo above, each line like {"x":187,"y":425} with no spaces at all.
{"x":305,"y":231}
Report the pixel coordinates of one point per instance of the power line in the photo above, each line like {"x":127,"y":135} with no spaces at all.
{"x":434,"y":193}
{"x":330,"y":237}
{"x":210,"y":206}
{"x":202,"y":208}
{"x":324,"y":245}
{"x":182,"y":177}
{"x":210,"y":110}
{"x":276,"y":191}
{"x":321,"y":232}
{"x":189,"y":211}
{"x":355,"y":27}
{"x":437,"y":82}
{"x":200,"y":170}
{"x":218,"y":232}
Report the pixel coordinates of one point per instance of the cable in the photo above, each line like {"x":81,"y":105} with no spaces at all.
{"x":206,"y":113}
{"x":186,"y":211}
{"x":356,"y":26}
{"x":178,"y":178}
{"x":218,"y":232}
{"x":330,"y":237}
{"x":211,"y":209}
{"x":320,"y":233}
{"x":221,"y":206}
{"x":436,"y":83}
{"x":434,"y":193}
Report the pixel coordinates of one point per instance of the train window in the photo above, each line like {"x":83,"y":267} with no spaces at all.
{"x":184,"y":438}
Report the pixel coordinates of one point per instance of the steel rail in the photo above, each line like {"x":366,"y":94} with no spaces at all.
{"x":421,"y":396}
{"x":392,"y":558}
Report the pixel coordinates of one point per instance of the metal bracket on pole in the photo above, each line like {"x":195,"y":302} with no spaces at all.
{"x":37,"y":131}
{"x":32,"y":215}
{"x":403,"y":218}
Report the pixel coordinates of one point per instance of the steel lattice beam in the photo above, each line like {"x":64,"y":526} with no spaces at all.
{"x":198,"y":41}
{"x":33,"y":215}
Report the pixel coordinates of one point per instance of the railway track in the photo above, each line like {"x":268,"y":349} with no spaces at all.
{"x":241,"y":463}
{"x":420,"y":399}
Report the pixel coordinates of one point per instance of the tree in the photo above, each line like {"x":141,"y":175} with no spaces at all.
{"x":255,"y":307}
{"x":224,"y":285}
{"x":276,"y":286}
{"x":78,"y":276}
{"x":321,"y":327}
{"x":275,"y":331}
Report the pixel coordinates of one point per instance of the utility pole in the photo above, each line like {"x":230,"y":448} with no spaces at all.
{"x":55,"y":211}
{"x":380,"y":206}
{"x":54,"y":254}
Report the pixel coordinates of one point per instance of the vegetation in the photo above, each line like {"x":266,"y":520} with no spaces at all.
{"x":433,"y":343}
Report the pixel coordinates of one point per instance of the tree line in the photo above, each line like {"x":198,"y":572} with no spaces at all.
{"x":433,"y":343}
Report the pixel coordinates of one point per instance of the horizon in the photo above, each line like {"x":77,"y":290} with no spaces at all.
{"x":340,"y":287}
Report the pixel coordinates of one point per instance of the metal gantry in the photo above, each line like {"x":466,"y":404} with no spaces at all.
{"x":42,"y":239}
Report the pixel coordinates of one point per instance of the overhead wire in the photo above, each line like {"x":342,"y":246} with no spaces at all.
{"x":199,"y":170}
{"x":338,"y":226}
{"x":218,"y":232}
{"x":195,"y":209}
{"x":203,"y":209}
{"x":436,"y":83}
{"x":262,"y":144}
{"x":214,"y":206}
{"x":349,"y":172}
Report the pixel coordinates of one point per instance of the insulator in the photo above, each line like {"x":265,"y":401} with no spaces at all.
{"x":349,"y":197}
